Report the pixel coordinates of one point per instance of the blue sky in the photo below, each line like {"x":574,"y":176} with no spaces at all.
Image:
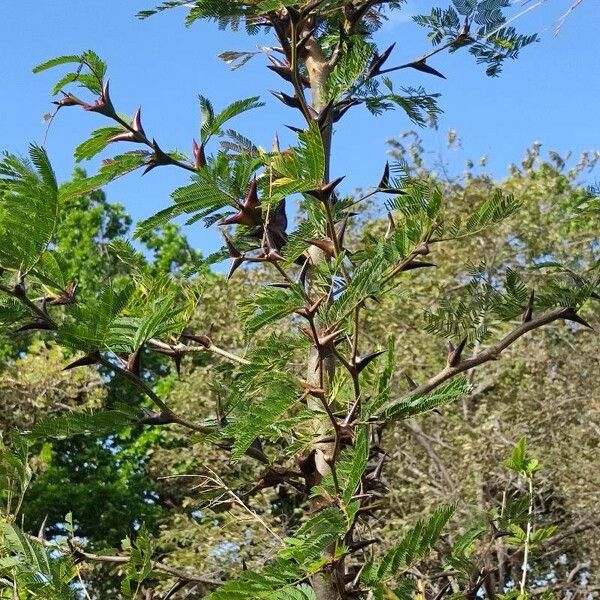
{"x":549,"y":95}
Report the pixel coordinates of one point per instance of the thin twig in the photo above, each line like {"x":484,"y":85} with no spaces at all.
{"x":490,"y":353}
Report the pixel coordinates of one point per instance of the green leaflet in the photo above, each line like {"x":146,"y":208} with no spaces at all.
{"x":302,"y":592}
{"x":89,"y":324}
{"x":305,"y":166}
{"x":92,"y":81}
{"x":33,"y":568}
{"x":139,"y":566}
{"x":276,"y":578}
{"x":269,"y":305}
{"x":405,"y":408}
{"x":111,"y":169}
{"x":366,"y":282}
{"x":14,"y":467}
{"x":311,"y":540}
{"x":494,"y":43}
{"x":97,"y":423}
{"x":200,"y":198}
{"x":415,"y":545}
{"x":29,"y":205}
{"x":493,"y":210}
{"x":350,"y":68}
{"x":349,"y":468}
{"x":302,"y":557}
{"x":212,"y":123}
{"x":260,"y":415}
{"x":97,"y":141}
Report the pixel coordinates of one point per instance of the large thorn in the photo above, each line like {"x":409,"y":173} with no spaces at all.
{"x":199,"y":154}
{"x":421,"y":65}
{"x":341,"y":231}
{"x":454,"y":353}
{"x":384,"y":184}
{"x":288,"y":100}
{"x":391,"y":228}
{"x":364,"y":362}
{"x":571,"y":315}
{"x":237,"y":258}
{"x":203,"y":340}
{"x":411,"y":382}
{"x":417,"y":264}
{"x":341,"y":108}
{"x":154,"y":418}
{"x":379,"y":60}
{"x":324,"y":193}
{"x":133,"y":364}
{"x":529,"y":310}
{"x":325,"y":244}
{"x":37,"y":324}
{"x":84,"y":361}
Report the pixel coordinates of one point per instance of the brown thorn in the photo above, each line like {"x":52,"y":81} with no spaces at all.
{"x":411,"y":382}
{"x":417,"y":264}
{"x":571,"y":315}
{"x":454,"y":354}
{"x":528,"y":314}
{"x":366,"y":360}
{"x":84,"y":361}
{"x":391,"y":228}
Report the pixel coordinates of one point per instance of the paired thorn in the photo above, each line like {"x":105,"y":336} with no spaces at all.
{"x":310,"y":311}
{"x":325,"y":192}
{"x":249,"y":212}
{"x":65,"y":297}
{"x":237,"y":258}
{"x":379,"y":60}
{"x":157,"y":159}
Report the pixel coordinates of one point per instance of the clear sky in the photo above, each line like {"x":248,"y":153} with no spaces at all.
{"x":551,"y":94}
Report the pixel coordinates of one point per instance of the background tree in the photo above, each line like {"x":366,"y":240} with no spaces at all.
{"x":322,"y":430}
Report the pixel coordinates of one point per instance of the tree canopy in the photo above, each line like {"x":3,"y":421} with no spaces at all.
{"x":296,"y":430}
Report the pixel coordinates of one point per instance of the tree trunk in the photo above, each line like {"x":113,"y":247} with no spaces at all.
{"x":321,"y":369}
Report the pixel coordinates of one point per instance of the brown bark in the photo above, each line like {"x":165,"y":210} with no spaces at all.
{"x":321,"y":366}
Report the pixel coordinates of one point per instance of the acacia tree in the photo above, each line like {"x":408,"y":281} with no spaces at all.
{"x":316,"y":431}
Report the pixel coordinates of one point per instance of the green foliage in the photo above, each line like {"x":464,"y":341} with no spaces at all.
{"x":87,"y":61}
{"x":413,"y":547}
{"x":494,"y":210}
{"x":139,"y":566}
{"x":416,"y":405}
{"x":96,"y":423}
{"x":31,"y":568}
{"x":261,"y":416}
{"x":15,"y":473}
{"x":491,"y":43}
{"x":309,"y":422}
{"x":29,"y":205}
{"x":99,"y":139}
{"x":270,"y":305}
{"x":212,"y":123}
{"x":519,"y":462}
